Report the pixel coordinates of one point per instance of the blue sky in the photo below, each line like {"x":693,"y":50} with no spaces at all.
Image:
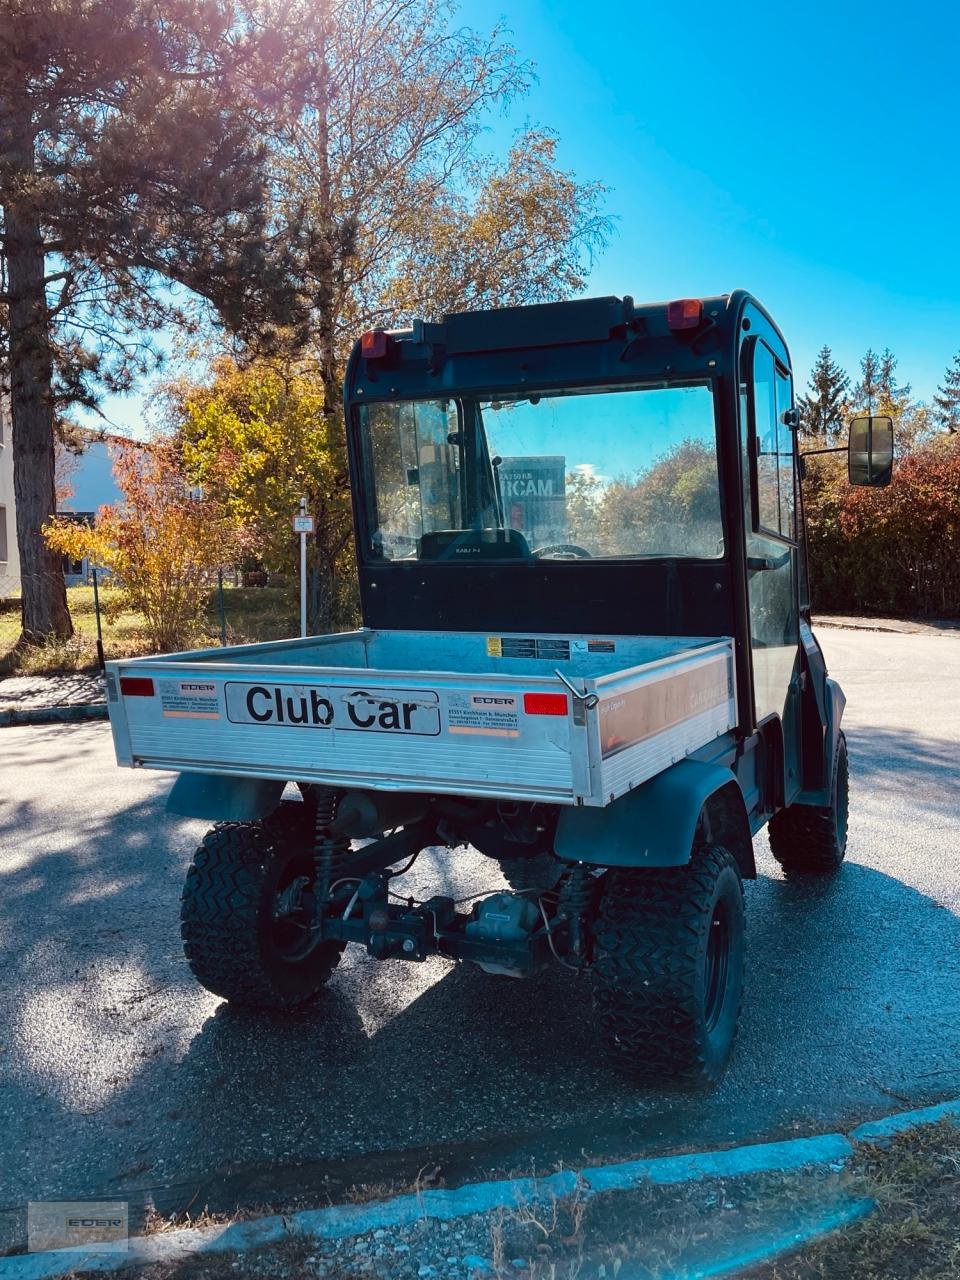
{"x":807,"y":153}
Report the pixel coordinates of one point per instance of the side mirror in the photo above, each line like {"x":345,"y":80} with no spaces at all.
{"x":870,"y":451}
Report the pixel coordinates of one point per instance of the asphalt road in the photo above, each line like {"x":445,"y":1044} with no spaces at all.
{"x":120,"y":1077}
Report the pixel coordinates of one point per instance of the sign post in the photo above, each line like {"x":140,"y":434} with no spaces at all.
{"x":96,"y":608}
{"x":302,"y":525}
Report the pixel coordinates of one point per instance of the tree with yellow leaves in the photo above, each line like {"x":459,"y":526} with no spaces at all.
{"x":259,"y":439}
{"x":162,"y":543}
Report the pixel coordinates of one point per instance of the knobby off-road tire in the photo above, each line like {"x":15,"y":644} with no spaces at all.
{"x":524,"y":874}
{"x":668,"y":969}
{"x":233,"y":943}
{"x":812,"y":840}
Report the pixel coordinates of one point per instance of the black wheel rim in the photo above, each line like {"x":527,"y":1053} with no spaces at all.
{"x":717,"y":965}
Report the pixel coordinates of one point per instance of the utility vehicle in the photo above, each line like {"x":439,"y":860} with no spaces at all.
{"x":586,"y":652}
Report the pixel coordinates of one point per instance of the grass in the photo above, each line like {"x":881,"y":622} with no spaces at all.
{"x":914,"y":1232}
{"x":252,"y":613}
{"x":652,"y":1232}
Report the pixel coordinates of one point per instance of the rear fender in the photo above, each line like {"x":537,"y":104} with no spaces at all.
{"x":657,"y":824}
{"x":223,"y":799}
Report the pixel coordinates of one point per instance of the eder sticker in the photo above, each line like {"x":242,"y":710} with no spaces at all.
{"x":494,"y":715}
{"x":190,"y":699}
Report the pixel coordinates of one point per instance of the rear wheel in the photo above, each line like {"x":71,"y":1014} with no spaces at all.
{"x":668,"y":968}
{"x":245,"y":926}
{"x":812,"y":840}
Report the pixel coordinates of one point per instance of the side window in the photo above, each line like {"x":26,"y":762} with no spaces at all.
{"x":415,"y":473}
{"x":765,"y":440}
{"x":772,"y":446}
{"x":785,"y":450}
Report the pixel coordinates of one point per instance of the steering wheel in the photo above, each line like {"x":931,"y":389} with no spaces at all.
{"x":561,"y":551}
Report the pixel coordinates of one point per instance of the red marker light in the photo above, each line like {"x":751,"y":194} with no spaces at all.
{"x":545,"y":704}
{"x":684,"y":313}
{"x":136,"y":686}
{"x":373,"y":344}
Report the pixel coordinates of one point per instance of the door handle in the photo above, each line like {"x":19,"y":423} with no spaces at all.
{"x":768,"y":562}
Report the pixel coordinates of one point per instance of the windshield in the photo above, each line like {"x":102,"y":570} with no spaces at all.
{"x":597,"y":474}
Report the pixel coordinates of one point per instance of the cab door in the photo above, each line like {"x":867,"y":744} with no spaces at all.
{"x":772,"y":547}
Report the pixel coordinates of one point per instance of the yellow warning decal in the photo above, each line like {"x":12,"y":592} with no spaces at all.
{"x":494,"y":647}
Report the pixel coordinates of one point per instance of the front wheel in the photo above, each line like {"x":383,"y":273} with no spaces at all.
{"x":812,"y":839}
{"x":668,"y":968}
{"x":245,"y":923}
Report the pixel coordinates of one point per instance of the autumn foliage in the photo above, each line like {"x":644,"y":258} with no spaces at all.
{"x":162,"y":543}
{"x":887,"y":551}
{"x":259,"y":438}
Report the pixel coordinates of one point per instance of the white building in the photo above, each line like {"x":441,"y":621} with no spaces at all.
{"x":85,"y":482}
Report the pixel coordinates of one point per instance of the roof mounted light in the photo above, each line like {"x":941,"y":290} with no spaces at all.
{"x":684,"y":313}
{"x":374,"y":344}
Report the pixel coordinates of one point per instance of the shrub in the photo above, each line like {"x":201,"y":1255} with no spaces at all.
{"x":162,"y":543}
{"x":893,"y":550}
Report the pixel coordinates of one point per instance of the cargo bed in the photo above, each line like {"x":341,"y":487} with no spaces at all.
{"x":561,"y":719}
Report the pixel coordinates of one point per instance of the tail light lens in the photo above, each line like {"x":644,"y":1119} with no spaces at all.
{"x":136,"y":686}
{"x":545,"y":704}
{"x":373,"y":344}
{"x":684,"y":313}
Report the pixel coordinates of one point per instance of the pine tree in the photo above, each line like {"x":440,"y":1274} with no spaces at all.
{"x":824,"y":407}
{"x":878,"y":391}
{"x":867,"y":390}
{"x":893,"y":397}
{"x":946,"y":402}
{"x":130,"y":155}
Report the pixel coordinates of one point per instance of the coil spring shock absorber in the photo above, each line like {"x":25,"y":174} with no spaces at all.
{"x":576,"y":895}
{"x":331,"y":853}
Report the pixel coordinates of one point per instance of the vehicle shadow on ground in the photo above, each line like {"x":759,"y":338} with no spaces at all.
{"x":889,"y":763}
{"x":122,"y":1078}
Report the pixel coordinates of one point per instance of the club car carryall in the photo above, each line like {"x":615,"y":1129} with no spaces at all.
{"x":586,"y":652}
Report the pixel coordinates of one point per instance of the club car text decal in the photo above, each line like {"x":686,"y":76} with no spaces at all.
{"x":411,"y":711}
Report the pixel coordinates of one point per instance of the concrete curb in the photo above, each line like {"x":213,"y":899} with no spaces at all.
{"x":341,"y":1221}
{"x":886,"y":626}
{"x":890,"y":1126}
{"x":53,"y":715}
